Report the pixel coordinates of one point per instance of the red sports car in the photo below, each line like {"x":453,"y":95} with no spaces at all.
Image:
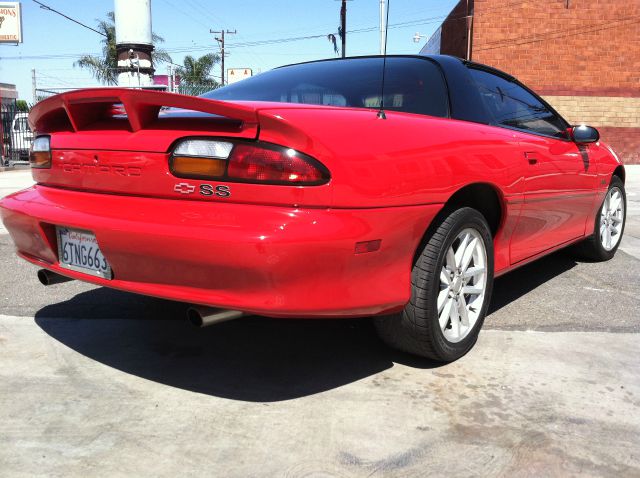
{"x":353,"y":187}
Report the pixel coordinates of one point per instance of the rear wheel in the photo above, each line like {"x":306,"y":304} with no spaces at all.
{"x":451,"y":285}
{"x":608,"y":225}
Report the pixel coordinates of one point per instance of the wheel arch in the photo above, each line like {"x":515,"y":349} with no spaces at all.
{"x":486,"y":198}
{"x":620,"y":172}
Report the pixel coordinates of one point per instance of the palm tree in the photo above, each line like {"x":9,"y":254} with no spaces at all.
{"x":105,"y":68}
{"x":197,"y":72}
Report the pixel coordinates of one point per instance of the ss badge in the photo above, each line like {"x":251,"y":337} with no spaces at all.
{"x":220,"y":191}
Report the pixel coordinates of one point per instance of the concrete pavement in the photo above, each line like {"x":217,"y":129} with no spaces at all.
{"x":100,"y":382}
{"x":158,"y":398}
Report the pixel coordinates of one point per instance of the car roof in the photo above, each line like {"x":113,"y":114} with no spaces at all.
{"x":436,"y":58}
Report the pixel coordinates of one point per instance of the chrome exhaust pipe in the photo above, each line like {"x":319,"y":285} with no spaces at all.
{"x":202,"y":316}
{"x":46,"y":277}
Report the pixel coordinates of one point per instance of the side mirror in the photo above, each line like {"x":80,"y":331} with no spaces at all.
{"x":584,"y":134}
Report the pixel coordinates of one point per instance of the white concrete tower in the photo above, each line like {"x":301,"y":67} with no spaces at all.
{"x":133,"y":42}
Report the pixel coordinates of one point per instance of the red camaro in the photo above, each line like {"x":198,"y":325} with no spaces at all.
{"x":318,"y":190}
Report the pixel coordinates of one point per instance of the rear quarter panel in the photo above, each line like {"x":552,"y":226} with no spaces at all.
{"x":407,"y":159}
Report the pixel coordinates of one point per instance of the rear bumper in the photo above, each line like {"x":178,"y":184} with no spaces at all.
{"x":273,"y":261}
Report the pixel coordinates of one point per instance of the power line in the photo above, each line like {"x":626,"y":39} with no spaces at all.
{"x":47,"y":7}
{"x":183,"y":12}
{"x":416,"y":22}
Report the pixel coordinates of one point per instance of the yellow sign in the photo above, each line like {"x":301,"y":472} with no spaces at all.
{"x":237,"y":74}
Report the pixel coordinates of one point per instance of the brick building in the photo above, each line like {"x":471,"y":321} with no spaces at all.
{"x":582,"y":56}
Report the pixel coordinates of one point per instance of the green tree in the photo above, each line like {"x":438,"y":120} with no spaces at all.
{"x":105,"y":67}
{"x":197,"y":71}
{"x":22,"y":106}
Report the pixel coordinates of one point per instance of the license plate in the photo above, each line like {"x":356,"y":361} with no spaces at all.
{"x":79,"y":251}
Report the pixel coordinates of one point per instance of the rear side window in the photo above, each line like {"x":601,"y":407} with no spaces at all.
{"x":412,"y":85}
{"x":514,"y":107}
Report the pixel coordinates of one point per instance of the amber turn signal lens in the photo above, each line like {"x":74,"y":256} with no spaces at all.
{"x":40,"y":154}
{"x":187,"y":166}
{"x":40,"y":159}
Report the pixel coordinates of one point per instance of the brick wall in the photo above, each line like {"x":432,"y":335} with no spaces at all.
{"x":604,"y":111}
{"x":583,"y":56}
{"x":584,"y":59}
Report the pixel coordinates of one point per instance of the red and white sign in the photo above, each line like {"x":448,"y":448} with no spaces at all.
{"x":10,"y":22}
{"x":237,"y":74}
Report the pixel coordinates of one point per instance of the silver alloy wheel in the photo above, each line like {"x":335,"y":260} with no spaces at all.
{"x":611,"y":219}
{"x":463,"y":281}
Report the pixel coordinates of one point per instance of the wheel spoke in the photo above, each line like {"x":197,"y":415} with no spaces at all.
{"x":445,"y":315}
{"x":462,"y":247}
{"x":444,"y":277}
{"x":451,"y":259}
{"x":614,"y":229}
{"x":472,"y":289}
{"x":442,"y":299}
{"x":615,"y":201}
{"x":462,"y":310}
{"x":455,"y":320}
{"x":468,"y":254}
{"x":473,"y":272}
{"x":616,"y":219}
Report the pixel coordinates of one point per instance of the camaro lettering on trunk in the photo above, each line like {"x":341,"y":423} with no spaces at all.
{"x":88,"y":168}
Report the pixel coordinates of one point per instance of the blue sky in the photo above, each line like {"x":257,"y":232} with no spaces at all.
{"x":185,"y":26}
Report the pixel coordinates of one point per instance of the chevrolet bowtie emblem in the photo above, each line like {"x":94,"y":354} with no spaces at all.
{"x":184,"y":188}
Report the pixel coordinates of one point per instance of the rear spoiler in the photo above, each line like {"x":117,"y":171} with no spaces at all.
{"x":77,"y":110}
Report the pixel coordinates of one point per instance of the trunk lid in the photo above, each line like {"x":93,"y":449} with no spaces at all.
{"x":119,"y":141}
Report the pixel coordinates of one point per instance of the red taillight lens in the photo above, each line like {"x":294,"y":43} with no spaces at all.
{"x":272,"y":164}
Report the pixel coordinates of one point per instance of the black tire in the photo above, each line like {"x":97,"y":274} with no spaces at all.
{"x":591,"y":248}
{"x":416,"y":329}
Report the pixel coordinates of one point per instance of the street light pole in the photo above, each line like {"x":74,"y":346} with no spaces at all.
{"x":343,"y":21}
{"x":383,"y":28}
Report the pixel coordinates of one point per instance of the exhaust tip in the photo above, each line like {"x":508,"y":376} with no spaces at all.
{"x":46,"y":277}
{"x":43,"y":277}
{"x":202,"y":316}
{"x":193,"y":315}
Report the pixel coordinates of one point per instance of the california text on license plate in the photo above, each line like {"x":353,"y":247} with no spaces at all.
{"x":79,"y":251}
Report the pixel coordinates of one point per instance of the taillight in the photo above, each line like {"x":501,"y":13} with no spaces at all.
{"x":262,"y":163}
{"x":275,"y":165}
{"x":200,"y":158}
{"x":40,"y":153}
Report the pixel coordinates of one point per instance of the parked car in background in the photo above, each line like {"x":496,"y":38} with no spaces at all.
{"x":319,"y":190}
{"x":21,"y":138}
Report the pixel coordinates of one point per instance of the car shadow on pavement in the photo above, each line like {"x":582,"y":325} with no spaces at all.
{"x":251,"y":359}
{"x":523,"y":280}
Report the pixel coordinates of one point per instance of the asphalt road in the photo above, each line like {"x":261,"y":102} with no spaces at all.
{"x":95,"y":381}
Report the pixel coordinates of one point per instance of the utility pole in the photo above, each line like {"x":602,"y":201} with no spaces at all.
{"x":383,"y":27}
{"x":220,"y":40}
{"x":33,"y":85}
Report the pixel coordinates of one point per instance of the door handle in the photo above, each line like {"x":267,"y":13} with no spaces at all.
{"x":531,"y":157}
